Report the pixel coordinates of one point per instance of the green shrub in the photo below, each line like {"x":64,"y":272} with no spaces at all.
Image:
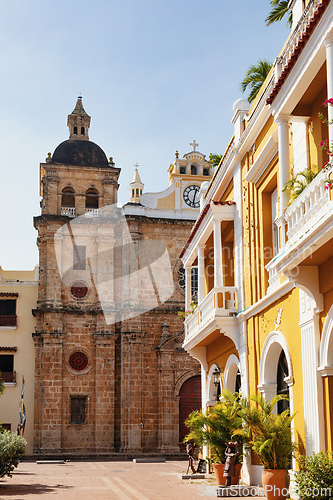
{"x":12,"y":448}
{"x":315,"y":478}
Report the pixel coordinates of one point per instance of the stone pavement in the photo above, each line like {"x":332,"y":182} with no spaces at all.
{"x":103,"y":480}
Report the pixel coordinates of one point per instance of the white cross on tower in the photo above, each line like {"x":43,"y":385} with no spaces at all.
{"x":194,"y":144}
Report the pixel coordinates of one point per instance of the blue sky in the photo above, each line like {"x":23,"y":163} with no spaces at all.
{"x":154,"y":75}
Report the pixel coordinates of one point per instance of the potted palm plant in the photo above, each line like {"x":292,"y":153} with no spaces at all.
{"x":269,"y":436}
{"x":215,"y":429}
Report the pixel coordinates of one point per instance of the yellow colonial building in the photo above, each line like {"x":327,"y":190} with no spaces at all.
{"x":18,"y":296}
{"x":264,"y":318}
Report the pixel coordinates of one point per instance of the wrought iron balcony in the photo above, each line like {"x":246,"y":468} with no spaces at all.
{"x":218,"y":304}
{"x":8,"y":320}
{"x":68,"y":211}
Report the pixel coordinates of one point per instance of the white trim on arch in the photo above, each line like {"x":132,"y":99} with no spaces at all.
{"x":230,"y":372}
{"x":326,"y":344}
{"x":267,"y":371}
{"x":273,"y":345}
{"x":275,"y":342}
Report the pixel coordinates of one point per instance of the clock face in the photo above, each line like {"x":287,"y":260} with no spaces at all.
{"x":190,"y":196}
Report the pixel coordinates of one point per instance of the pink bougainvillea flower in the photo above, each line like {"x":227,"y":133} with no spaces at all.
{"x":326,"y":163}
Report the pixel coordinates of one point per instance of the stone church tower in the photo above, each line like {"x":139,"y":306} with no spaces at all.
{"x":111,"y":375}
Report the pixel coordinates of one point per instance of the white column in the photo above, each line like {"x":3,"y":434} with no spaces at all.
{"x":300,"y":143}
{"x":218,"y":264}
{"x":329,"y":65}
{"x":283,"y":140}
{"x":312,"y":384}
{"x":201,"y":273}
{"x":188,"y":294}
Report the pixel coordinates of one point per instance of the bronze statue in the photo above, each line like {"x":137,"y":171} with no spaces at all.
{"x":231,"y":454}
{"x":190,"y":454}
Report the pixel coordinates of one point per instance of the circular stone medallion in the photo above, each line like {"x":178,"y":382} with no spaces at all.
{"x":79,"y":289}
{"x":78,"y":361}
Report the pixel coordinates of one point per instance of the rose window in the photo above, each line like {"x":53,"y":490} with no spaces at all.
{"x":79,"y":290}
{"x":78,"y":361}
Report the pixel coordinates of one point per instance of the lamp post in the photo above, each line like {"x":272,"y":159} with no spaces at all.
{"x":216,"y":379}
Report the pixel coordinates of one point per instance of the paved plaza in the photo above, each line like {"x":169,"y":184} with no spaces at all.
{"x":87,"y":480}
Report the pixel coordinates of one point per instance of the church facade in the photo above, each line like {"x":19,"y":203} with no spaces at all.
{"x":111,"y":374}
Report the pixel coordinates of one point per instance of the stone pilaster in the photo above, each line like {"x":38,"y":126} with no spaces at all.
{"x":104,"y":390}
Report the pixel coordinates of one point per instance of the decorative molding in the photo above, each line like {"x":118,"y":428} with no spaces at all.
{"x":326,"y":371}
{"x":9,"y":294}
{"x":263,"y":160}
{"x":277,"y":322}
{"x":266,"y":301}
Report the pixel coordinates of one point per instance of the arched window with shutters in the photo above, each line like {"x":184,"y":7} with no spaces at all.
{"x":82,"y":130}
{"x":193,"y":170}
{"x":75,"y":131}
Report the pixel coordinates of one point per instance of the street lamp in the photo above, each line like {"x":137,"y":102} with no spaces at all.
{"x":216,"y":379}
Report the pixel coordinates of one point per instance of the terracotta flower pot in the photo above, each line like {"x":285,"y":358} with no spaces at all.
{"x":218,"y":471}
{"x":235,"y":479}
{"x":275,"y":483}
{"x":220,"y":479}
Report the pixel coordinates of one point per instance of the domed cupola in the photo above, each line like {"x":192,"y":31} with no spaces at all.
{"x":78,"y":150}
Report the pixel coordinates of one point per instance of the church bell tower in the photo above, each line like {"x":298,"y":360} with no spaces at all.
{"x":74,"y":346}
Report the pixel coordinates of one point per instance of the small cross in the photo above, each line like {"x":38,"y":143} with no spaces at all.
{"x":194,"y":144}
{"x":136,"y":165}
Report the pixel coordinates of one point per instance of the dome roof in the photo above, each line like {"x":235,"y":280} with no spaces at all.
{"x":241,"y":105}
{"x":80,"y":153}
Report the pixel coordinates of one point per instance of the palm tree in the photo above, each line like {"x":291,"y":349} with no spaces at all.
{"x":255,"y":77}
{"x":279,"y":10}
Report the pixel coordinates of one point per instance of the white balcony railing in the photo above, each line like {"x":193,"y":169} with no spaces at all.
{"x":299,"y":32}
{"x":220,"y":302}
{"x":68,"y":211}
{"x":305,"y":216}
{"x":308,"y":208}
{"x":92,"y":212}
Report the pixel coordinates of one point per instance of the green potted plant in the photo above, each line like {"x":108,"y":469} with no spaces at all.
{"x":215,"y":429}
{"x":269,"y":436}
{"x":299,"y":182}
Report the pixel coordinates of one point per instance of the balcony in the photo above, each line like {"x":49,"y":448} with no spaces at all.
{"x":68,"y":211}
{"x":8,"y":320}
{"x":92,"y":212}
{"x":214,"y":312}
{"x":312,"y":205}
{"x":309,"y":222}
{"x":8,"y":377}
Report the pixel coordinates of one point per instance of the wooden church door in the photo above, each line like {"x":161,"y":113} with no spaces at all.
{"x":189,"y":400}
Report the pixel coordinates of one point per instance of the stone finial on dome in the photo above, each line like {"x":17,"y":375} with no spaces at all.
{"x":136,"y":186}
{"x":78,"y":122}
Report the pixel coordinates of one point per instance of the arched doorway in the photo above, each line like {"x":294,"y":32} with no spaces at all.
{"x":189,"y":400}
